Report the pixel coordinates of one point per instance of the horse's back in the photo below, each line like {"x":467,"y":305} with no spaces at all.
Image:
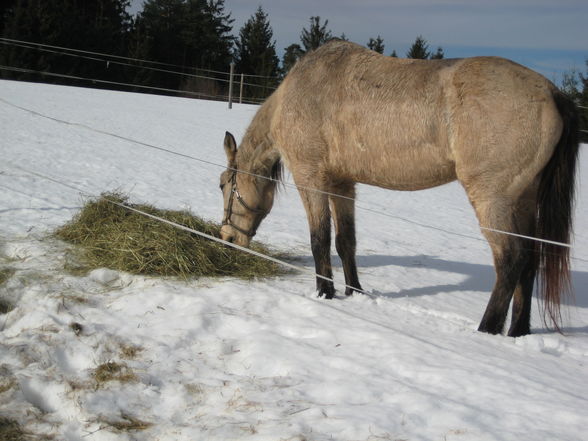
{"x":364,"y":118}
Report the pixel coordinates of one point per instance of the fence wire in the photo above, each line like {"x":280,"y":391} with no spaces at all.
{"x":208,"y":162}
{"x":31,"y":44}
{"x":155,"y":69}
{"x":189,"y":230}
{"x":129,"y":85}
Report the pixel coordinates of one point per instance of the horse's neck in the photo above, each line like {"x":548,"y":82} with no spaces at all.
{"x":256,"y":141}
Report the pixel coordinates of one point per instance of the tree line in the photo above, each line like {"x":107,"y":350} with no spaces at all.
{"x":193,"y":37}
{"x":189,"y":36}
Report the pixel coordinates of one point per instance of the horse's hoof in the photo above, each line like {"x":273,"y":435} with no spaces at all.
{"x":494,"y":330}
{"x":518,"y":332}
{"x":349,"y":290}
{"x":330,"y":294}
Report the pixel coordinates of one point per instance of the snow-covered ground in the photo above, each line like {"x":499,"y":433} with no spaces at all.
{"x":224,"y":359}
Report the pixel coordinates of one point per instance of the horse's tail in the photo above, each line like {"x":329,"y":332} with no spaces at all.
{"x":555,"y":205}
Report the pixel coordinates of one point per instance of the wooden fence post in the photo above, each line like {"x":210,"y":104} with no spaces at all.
{"x":231,"y":85}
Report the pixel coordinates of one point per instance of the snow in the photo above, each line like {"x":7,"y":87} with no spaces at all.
{"x":225,"y":359}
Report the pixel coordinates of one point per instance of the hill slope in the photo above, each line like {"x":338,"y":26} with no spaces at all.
{"x":223,"y":359}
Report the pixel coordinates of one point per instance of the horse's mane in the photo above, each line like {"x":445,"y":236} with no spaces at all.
{"x":277,"y":172}
{"x":257,"y":135}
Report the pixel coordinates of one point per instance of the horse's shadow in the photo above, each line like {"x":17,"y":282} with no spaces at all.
{"x":478,"y":277}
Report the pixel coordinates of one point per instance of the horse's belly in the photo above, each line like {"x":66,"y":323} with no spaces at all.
{"x":415,"y":168}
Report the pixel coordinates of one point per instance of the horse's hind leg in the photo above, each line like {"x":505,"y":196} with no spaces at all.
{"x":521,"y":306}
{"x":508,"y":265}
{"x":523,"y":294}
{"x":511,"y":262}
{"x":343,"y":212}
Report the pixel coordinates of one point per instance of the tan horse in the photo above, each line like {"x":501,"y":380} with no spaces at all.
{"x":345,"y":114}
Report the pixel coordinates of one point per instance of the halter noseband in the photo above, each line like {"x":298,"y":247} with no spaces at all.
{"x":229,"y":210}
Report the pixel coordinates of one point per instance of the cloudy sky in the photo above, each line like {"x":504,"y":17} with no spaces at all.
{"x":547,"y":35}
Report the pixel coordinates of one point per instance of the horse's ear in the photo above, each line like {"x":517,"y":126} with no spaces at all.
{"x":230,"y":149}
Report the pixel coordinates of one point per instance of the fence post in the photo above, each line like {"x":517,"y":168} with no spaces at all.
{"x":231,"y":85}
{"x":241,"y":89}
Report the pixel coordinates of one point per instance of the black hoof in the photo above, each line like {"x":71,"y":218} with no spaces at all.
{"x":349,"y":290}
{"x":492,"y":323}
{"x":494,"y":330}
{"x":518,"y":332}
{"x":328,"y":292}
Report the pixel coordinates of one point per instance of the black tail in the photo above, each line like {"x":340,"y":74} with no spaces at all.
{"x":555,"y":205}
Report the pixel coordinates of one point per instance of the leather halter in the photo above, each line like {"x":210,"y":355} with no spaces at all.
{"x":260,"y":214}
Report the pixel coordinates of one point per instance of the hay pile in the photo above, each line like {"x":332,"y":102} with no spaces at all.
{"x":114,"y":237}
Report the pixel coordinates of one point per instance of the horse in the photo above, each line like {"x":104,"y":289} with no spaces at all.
{"x":345,"y":115}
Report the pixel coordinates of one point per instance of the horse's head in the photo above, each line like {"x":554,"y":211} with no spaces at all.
{"x":248,"y":185}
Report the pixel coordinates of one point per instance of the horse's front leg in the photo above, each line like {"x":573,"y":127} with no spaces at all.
{"x":319,"y":221}
{"x":343,"y":212}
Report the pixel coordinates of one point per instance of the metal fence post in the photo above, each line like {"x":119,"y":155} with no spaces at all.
{"x":241,"y":89}
{"x":231,"y":85}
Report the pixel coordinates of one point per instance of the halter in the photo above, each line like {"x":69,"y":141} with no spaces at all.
{"x":229,"y":210}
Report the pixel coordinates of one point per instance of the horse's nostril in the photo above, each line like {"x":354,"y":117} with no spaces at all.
{"x":231,"y":239}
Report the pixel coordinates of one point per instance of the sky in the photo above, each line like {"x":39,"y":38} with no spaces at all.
{"x":549,"y":36}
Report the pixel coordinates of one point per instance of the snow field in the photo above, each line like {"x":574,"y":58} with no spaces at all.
{"x":224,"y":359}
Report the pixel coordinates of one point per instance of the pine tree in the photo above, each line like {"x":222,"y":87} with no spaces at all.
{"x":439,"y":55}
{"x":215,"y":41}
{"x":571,"y":84}
{"x":98,"y":26}
{"x":311,"y":39}
{"x":22,"y":22}
{"x":394,"y":54}
{"x":256,"y":54}
{"x":316,"y":36}
{"x":291,"y":55}
{"x":159,"y":30}
{"x":575,"y":85}
{"x":6,"y":9}
{"x":419,"y":49}
{"x":583,"y":102}
{"x":188,"y":33}
{"x":376,"y":45}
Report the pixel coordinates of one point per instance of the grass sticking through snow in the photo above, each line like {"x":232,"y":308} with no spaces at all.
{"x":115,"y":237}
{"x":5,"y":306}
{"x":6,"y":384}
{"x":5,"y":274}
{"x":10,"y":430}
{"x":128,"y":423}
{"x":112,"y":371}
{"x":129,"y":351}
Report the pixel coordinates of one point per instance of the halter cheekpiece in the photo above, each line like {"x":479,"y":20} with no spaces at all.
{"x":229,"y":210}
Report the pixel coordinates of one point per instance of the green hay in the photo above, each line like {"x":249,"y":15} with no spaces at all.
{"x":115,"y":237}
{"x":10,"y":430}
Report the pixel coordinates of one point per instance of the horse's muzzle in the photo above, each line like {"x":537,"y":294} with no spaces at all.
{"x":229,"y":234}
